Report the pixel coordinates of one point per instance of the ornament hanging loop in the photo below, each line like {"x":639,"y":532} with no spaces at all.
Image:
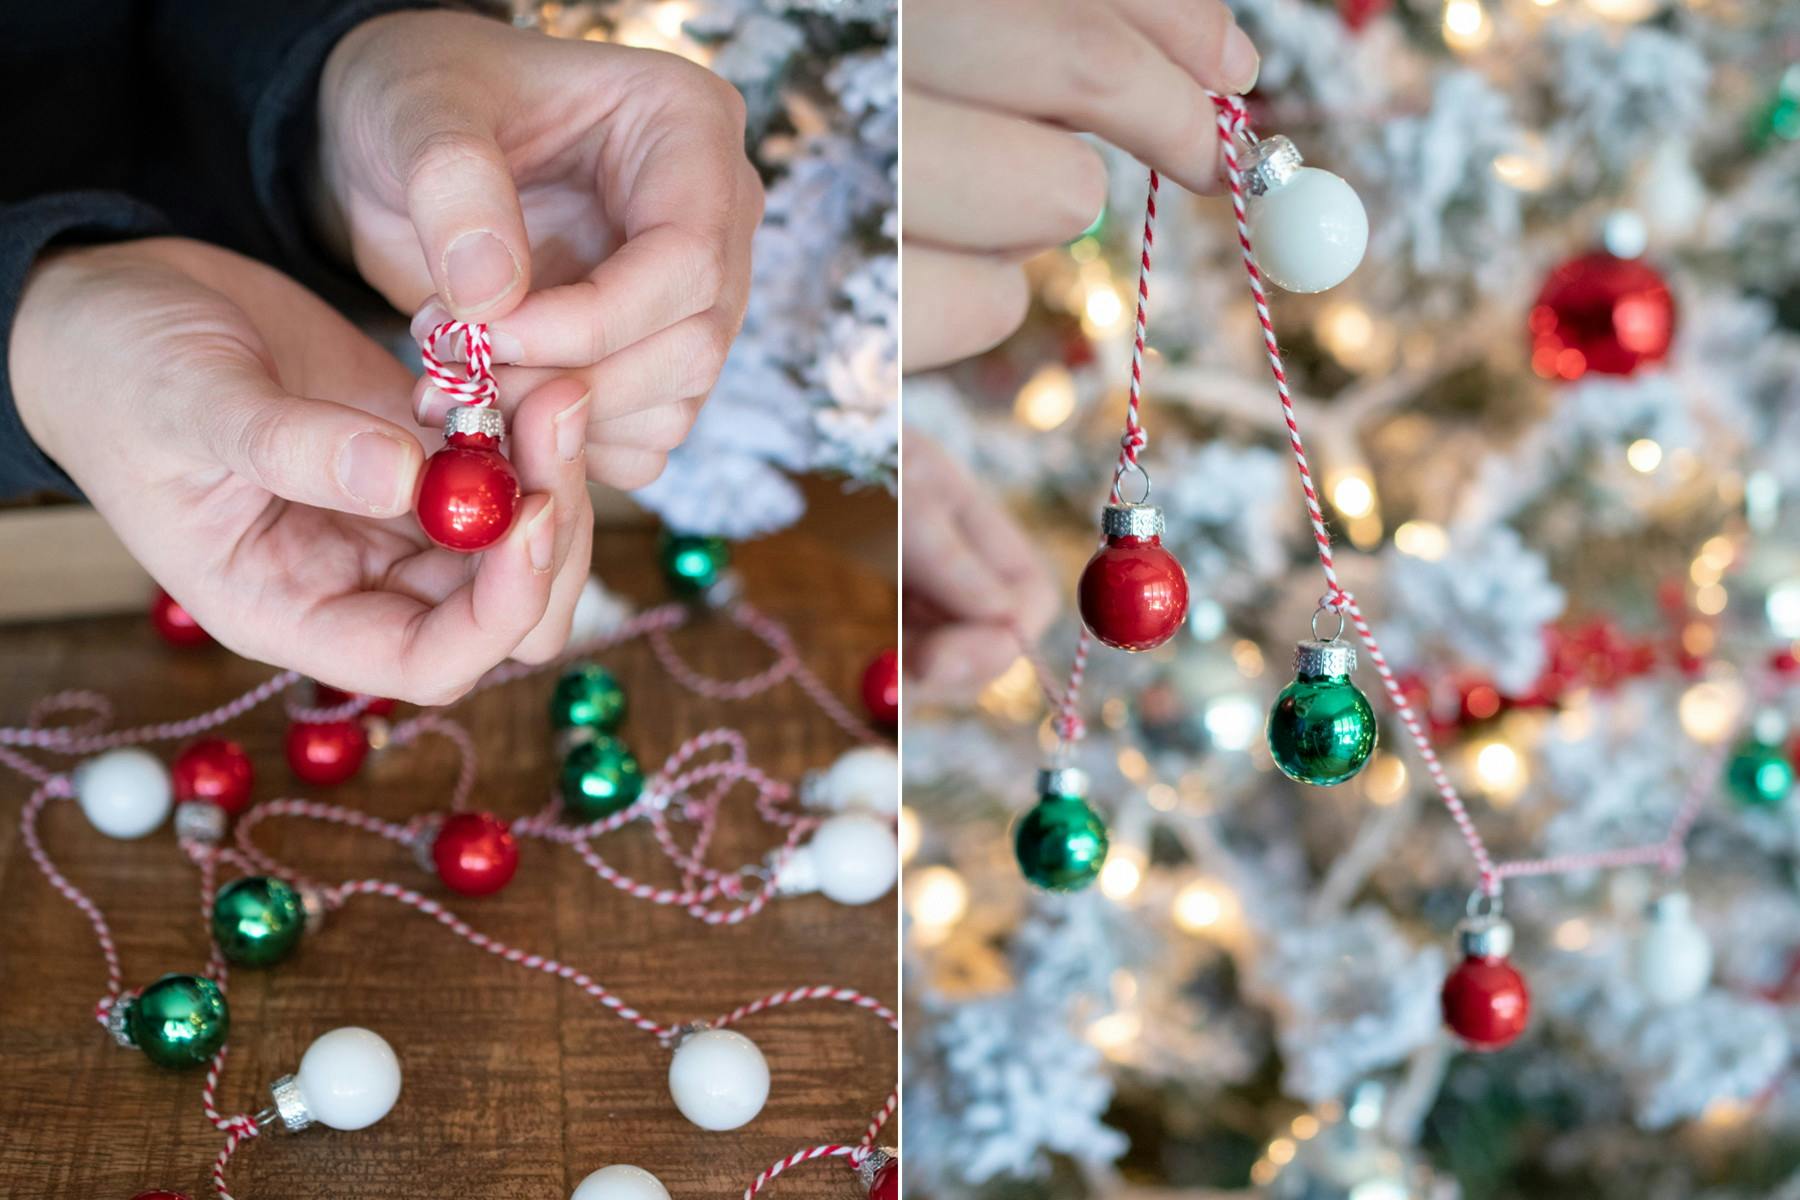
{"x":1124,"y":468}
{"x":1336,"y":633}
{"x":476,"y":385}
{"x":1483,"y":905}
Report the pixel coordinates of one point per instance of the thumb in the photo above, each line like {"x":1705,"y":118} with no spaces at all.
{"x":312,"y":452}
{"x":464,"y":206}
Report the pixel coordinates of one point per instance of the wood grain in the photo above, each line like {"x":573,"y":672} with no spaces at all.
{"x":516,"y":1084}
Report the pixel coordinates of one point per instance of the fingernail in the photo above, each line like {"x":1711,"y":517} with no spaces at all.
{"x":540,"y":538}
{"x":370,"y":469}
{"x":571,"y":430}
{"x":429,"y":318}
{"x":506,"y":347}
{"x":1239,"y":61}
{"x":478,"y":270}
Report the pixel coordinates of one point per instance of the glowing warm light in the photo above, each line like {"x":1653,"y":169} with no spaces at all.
{"x":1573,"y":935}
{"x":1710,"y":600}
{"x":1305,"y":1127}
{"x":1500,"y":771}
{"x":1644,"y":455}
{"x":1103,"y":310}
{"x":1726,"y":1112}
{"x":1719,"y":551}
{"x":1355,"y":338}
{"x":1115,"y":1031}
{"x":1709,"y":710}
{"x":1698,"y":638}
{"x":1422,"y":539}
{"x":1263,"y":1173}
{"x":1121,"y":874}
{"x":1353,"y":496}
{"x":1281,"y":1151}
{"x":1015,"y":695}
{"x":1527,"y":166}
{"x":1249,"y":658}
{"x":1384,"y":780}
{"x":1783,"y":609}
{"x":1200,"y":906}
{"x":1047,"y":398}
{"x":1704,"y":572}
{"x":1233,"y":722}
{"x":1625,"y":10}
{"x":1133,"y":765}
{"x":1161,"y":797}
{"x":937,"y":898}
{"x":909,"y":833}
{"x":1466,"y":25}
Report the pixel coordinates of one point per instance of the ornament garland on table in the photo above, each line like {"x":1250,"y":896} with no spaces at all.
{"x":1595,"y":314}
{"x":841,"y":842}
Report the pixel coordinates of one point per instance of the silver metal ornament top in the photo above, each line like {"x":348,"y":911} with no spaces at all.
{"x":290,"y":1104}
{"x":682,"y":1033}
{"x":199,"y":821}
{"x":1270,"y":163}
{"x":1062,"y":781}
{"x":1485,"y":937}
{"x":1322,"y":658}
{"x":475,"y":418}
{"x":1671,"y":907}
{"x":794,"y":872}
{"x":1131,"y":521}
{"x":878,"y":1157}
{"x":118,"y":1021}
{"x":312,"y":903}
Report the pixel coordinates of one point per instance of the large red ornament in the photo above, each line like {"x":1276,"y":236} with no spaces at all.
{"x":468,"y":492}
{"x":1485,"y":1000}
{"x":1133,"y":593}
{"x":475,"y":853}
{"x":173,"y":622}
{"x":1603,"y":314}
{"x":881,"y":688}
{"x":214,"y":770}
{"x":326,"y":753}
{"x":325,"y":696}
{"x":886,"y":1184}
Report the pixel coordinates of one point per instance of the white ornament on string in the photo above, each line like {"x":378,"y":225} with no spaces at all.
{"x":125,"y":793}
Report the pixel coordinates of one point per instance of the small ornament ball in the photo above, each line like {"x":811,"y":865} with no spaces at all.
{"x":1603,"y":314}
{"x":468,"y":492}
{"x":885,"y":1182}
{"x":1485,"y":1000}
{"x":718,"y":1079}
{"x":866,"y":779}
{"x":326,"y":753}
{"x":216,"y":771}
{"x":855,"y":858}
{"x":1321,"y":729}
{"x":349,"y":1078}
{"x":174,"y":624}
{"x":1133,"y":593}
{"x":257,"y":920}
{"x":620,"y":1182}
{"x":691,"y":564}
{"x":1760,"y":775}
{"x":475,"y":853}
{"x":587,"y":697}
{"x":1673,"y":958}
{"x":1308,"y":225}
{"x":599,"y":778}
{"x":881,"y":688}
{"x":179,"y":1021}
{"x":125,"y":793}
{"x":1061,"y":842}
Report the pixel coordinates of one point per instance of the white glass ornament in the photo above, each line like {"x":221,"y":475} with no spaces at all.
{"x":125,"y":793}
{"x":1308,"y":225}
{"x":718,"y":1079}
{"x":349,"y":1078}
{"x":855,"y":858}
{"x":1673,"y":958}
{"x":866,"y":778}
{"x":620,"y":1182}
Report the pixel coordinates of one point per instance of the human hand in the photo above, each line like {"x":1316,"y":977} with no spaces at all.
{"x":993,"y":170}
{"x":253,"y":451}
{"x":973,"y":584}
{"x":592,"y":203}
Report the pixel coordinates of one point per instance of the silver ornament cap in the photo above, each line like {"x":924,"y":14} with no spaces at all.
{"x":877,"y":1158}
{"x":483,"y":419}
{"x":199,"y":821}
{"x":118,"y":1021}
{"x":1322,"y":658}
{"x":312,"y":902}
{"x":1140,"y":521}
{"x":1270,"y":163}
{"x":1485,"y":937}
{"x":1062,"y":781}
{"x":290,"y":1104}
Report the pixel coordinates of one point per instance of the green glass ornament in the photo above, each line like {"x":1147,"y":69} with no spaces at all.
{"x":599,"y":778}
{"x":1322,"y":730}
{"x":1760,"y":775}
{"x":1061,"y":842}
{"x":692,"y":564}
{"x":179,"y":1021}
{"x":257,"y":920}
{"x":587,"y":697}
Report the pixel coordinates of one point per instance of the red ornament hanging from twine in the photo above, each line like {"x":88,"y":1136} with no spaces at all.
{"x":216,"y":771}
{"x":174,"y":624}
{"x":468,"y":492}
{"x":1603,"y":314}
{"x":475,"y":853}
{"x":881,"y":688}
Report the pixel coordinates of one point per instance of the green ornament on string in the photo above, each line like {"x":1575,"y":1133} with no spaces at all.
{"x":1061,"y":842}
{"x":587,"y":697}
{"x":257,"y":920}
{"x":179,"y":1021}
{"x":1322,"y":730}
{"x":599,"y":778}
{"x":1760,"y":775}
{"x":691,"y":563}
{"x":1780,"y":118}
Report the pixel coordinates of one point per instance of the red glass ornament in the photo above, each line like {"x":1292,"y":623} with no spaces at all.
{"x":1133,"y":593}
{"x":886,"y":1184}
{"x":214,"y":770}
{"x":174,"y":623}
{"x":1486,"y":1003}
{"x":325,"y":696}
{"x":326,"y":753}
{"x":475,"y":853}
{"x":468,"y":493}
{"x":1357,"y":13}
{"x":881,"y":688}
{"x":1603,"y":314}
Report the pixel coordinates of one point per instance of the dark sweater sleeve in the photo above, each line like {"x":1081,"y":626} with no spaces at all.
{"x":26,"y":229}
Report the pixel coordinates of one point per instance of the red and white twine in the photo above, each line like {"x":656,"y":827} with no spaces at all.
{"x":474,"y":385}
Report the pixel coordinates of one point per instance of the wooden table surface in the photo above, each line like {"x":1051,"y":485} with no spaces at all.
{"x":516,"y":1084}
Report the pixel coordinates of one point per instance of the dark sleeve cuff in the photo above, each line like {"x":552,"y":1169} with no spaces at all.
{"x":26,"y":229}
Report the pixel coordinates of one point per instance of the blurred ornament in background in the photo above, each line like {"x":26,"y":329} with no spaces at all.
{"x":174,"y":624}
{"x":693,"y":564}
{"x":1342,"y":1154}
{"x":881,"y":688}
{"x":1760,"y":775}
{"x":1486,"y":1002}
{"x":1061,"y":842}
{"x":1672,"y":959}
{"x":1601,"y":313}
